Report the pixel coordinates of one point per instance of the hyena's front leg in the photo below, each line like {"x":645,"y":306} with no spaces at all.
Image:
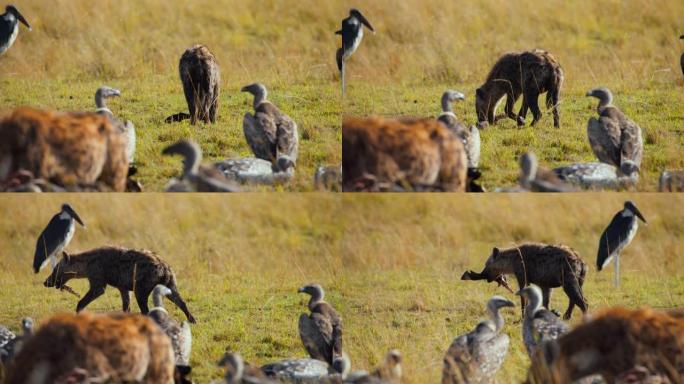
{"x":95,"y":291}
{"x":125,"y":299}
{"x":522,"y":114}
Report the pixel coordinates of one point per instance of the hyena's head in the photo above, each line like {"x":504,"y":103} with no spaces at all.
{"x":481,"y":106}
{"x":498,"y":263}
{"x":61,"y":273}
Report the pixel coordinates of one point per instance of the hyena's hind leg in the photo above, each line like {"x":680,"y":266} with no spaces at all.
{"x":531,"y":98}
{"x":176,"y":298}
{"x":573,"y":289}
{"x":142,"y":293}
{"x":546,"y":296}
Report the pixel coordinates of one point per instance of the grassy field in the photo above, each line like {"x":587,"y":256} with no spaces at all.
{"x":78,"y":45}
{"x":391,"y":264}
{"x":423,"y":47}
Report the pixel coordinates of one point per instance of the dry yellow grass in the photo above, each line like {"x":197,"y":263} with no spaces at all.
{"x":391,"y":264}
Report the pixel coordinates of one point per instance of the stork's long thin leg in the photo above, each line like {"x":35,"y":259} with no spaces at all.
{"x":617,"y":270}
{"x":342,"y":75}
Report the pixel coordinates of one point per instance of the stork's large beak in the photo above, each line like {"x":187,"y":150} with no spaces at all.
{"x":76,"y":217}
{"x":639,"y":215}
{"x":365,"y":22}
{"x":21,"y":18}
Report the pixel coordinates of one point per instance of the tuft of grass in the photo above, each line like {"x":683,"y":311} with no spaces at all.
{"x":135,"y":46}
{"x":390,"y":264}
{"x":423,"y":48}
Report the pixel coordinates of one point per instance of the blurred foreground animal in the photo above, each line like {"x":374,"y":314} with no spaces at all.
{"x":239,"y":372}
{"x":321,"y":330}
{"x":304,"y":371}
{"x":179,"y":333}
{"x":536,"y":179}
{"x":9,"y":27}
{"x":127,"y":127}
{"x":595,"y":176}
{"x":55,"y":237}
{"x":352,"y":34}
{"x":11,"y":344}
{"x":196,"y":177}
{"x":477,"y":356}
{"x":389,"y":371}
{"x":110,"y":348}
{"x":125,"y":269}
{"x":614,"y":138}
{"x":617,"y":235}
{"x":201,"y":78}
{"x":469,"y":136}
{"x":622,"y":345}
{"x":529,"y":73}
{"x":251,"y":170}
{"x":548,"y":266}
{"x":410,"y":153}
{"x":69,"y":149}
{"x":539,"y":325}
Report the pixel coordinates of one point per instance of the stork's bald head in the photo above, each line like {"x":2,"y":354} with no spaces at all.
{"x":66,"y":208}
{"x":12,"y":10}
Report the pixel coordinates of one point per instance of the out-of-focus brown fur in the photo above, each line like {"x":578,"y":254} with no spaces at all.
{"x":408,"y":152}
{"x":64,"y":148}
{"x":616,"y":343}
{"x":114,"y":348}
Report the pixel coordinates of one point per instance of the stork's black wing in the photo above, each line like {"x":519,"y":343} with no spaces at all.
{"x":49,"y":240}
{"x":350,"y":30}
{"x":611,"y":238}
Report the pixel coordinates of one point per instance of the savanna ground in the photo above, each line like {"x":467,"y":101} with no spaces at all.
{"x":423,"y":47}
{"x":391,"y":265}
{"x":78,"y":45}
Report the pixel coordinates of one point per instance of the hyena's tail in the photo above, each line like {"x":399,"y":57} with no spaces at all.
{"x":555,"y":84}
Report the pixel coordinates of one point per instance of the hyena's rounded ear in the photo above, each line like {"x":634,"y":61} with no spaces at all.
{"x":495,"y":251}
